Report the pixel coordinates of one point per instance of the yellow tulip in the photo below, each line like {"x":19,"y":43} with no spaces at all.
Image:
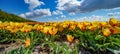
{"x":46,"y":30}
{"x":92,"y":27}
{"x":65,"y":25}
{"x":72,"y":27}
{"x":53,"y":31}
{"x":70,"y":38}
{"x":14,"y":30}
{"x":81,"y":26}
{"x":26,"y":29}
{"x":35,"y":26}
{"x":1,"y":22}
{"x":102,"y":24}
{"x":11,"y":23}
{"x":60,"y":29}
{"x":27,"y":42}
{"x":87,"y":23}
{"x":39,"y":28}
{"x":54,"y":24}
{"x":106,"y":32}
{"x":113,"y":22}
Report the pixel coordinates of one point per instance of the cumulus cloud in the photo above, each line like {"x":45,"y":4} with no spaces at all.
{"x":72,"y":13}
{"x":36,"y":13}
{"x":57,"y":12}
{"x":22,"y":15}
{"x":113,"y":9}
{"x":63,"y":16}
{"x":33,"y":3}
{"x":114,"y":14}
{"x":93,"y":18}
{"x":68,"y":5}
{"x":89,"y":5}
{"x":86,"y":5}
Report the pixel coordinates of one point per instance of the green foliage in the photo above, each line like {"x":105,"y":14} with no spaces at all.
{"x":63,"y":49}
{"x":11,"y":17}
{"x":91,"y":40}
{"x":6,"y":36}
{"x":20,"y":50}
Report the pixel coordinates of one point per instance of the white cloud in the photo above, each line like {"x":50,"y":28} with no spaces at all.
{"x":93,"y":18}
{"x":38,"y":13}
{"x":22,"y":15}
{"x":113,"y":9}
{"x":63,"y":16}
{"x":114,"y":14}
{"x":68,"y":5}
{"x":84,"y":6}
{"x":57,"y":12}
{"x":33,"y":3}
{"x":72,"y":13}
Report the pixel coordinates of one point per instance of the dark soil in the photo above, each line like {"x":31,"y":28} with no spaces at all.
{"x":46,"y":50}
{"x":88,"y":51}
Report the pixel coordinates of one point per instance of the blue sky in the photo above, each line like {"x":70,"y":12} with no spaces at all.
{"x":60,"y":10}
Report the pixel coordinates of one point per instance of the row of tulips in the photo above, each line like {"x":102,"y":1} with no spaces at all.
{"x":111,"y":27}
{"x":95,"y":35}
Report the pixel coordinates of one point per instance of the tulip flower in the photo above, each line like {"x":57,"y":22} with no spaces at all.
{"x":46,"y":30}
{"x":60,"y":29}
{"x":86,"y":23}
{"x":102,"y":24}
{"x":106,"y":32}
{"x":53,"y":31}
{"x":81,"y":26}
{"x":92,"y":27}
{"x":39,"y":28}
{"x":65,"y":25}
{"x":27,"y":42}
{"x":70,"y":38}
{"x":113,"y":22}
{"x":72,"y":27}
{"x":14,"y":30}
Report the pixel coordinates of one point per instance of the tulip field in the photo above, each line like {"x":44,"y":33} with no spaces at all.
{"x":67,"y":37}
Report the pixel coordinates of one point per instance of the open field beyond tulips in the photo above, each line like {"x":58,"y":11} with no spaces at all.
{"x":68,"y":37}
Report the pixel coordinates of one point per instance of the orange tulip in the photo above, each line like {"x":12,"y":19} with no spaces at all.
{"x":53,"y":31}
{"x":106,"y":32}
{"x":70,"y":38}
{"x":27,"y":42}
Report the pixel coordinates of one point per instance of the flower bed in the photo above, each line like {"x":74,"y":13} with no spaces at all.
{"x":94,"y":37}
